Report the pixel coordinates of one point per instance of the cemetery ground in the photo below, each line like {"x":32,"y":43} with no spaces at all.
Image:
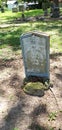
{"x":18,"y":110}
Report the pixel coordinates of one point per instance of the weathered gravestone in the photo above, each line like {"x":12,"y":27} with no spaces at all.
{"x":14,"y":9}
{"x":35,"y":49}
{"x":21,"y":7}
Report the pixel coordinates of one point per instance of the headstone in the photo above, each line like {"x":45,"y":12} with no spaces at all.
{"x":21,"y":7}
{"x":14,"y":9}
{"x":2,"y":10}
{"x":35,"y":50}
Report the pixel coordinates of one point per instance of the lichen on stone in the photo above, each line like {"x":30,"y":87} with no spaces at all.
{"x":34,"y":88}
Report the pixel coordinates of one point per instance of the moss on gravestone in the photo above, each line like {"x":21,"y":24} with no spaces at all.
{"x":35,"y":88}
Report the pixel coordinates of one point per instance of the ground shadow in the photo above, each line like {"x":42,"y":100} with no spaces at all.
{"x":16,"y":113}
{"x":2,"y":92}
{"x":13,"y":115}
{"x":6,"y":63}
{"x":9,"y":63}
{"x":39,"y":110}
{"x":36,"y":126}
{"x":11,"y":37}
{"x":59,"y":76}
{"x":15,"y":81}
{"x":55,"y":55}
{"x":42,"y":108}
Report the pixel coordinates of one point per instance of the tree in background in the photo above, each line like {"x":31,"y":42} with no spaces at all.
{"x":2,"y":2}
{"x":55,"y":8}
{"x":56,"y":2}
{"x":2,"y":5}
{"x":45,"y":5}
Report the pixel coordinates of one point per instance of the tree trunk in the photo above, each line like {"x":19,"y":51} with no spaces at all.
{"x":56,"y":2}
{"x":55,"y":12}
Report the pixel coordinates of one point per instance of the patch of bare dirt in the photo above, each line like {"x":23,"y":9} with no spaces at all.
{"x":24,"y":112}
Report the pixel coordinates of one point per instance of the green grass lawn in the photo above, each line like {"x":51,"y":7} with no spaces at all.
{"x":10,"y":36}
{"x":9,"y":16}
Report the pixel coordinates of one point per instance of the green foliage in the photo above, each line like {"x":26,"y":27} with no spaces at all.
{"x":15,"y":129}
{"x":0,"y":2}
{"x":8,"y":16}
{"x":36,"y":12}
{"x":51,"y":128}
{"x":52,"y":116}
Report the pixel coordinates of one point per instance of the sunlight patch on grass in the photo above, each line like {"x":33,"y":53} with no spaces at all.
{"x":35,"y":12}
{"x":10,"y":36}
{"x":56,"y":42}
{"x":8,"y":16}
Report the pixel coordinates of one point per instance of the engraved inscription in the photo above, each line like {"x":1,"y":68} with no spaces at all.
{"x":35,"y":54}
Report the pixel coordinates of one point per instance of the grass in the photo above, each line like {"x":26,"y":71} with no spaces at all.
{"x":52,"y":116}
{"x":10,"y":36}
{"x":51,"y":128}
{"x":9,"y":16}
{"x":15,"y":129}
{"x":34,"y":12}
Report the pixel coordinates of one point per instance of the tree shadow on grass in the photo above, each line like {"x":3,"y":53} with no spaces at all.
{"x":50,"y":25}
{"x":12,"y":35}
{"x":11,"y":38}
